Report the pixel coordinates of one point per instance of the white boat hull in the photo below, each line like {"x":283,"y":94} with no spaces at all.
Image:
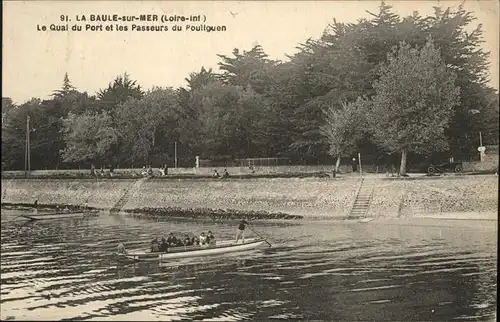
{"x":221,"y":247}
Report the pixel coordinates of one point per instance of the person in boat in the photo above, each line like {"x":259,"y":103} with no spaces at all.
{"x":187,"y":241}
{"x":155,"y":246}
{"x":163,"y":245}
{"x":210,"y":238}
{"x":172,"y":240}
{"x":203,"y":239}
{"x":225,"y":174}
{"x":121,"y":249}
{"x":216,"y":174}
{"x":35,"y":205}
{"x":195,"y":241}
{"x":241,"y":230}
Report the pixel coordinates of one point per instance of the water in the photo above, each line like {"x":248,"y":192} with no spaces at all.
{"x":330,"y":270}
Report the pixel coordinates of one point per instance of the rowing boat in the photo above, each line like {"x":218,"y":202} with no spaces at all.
{"x":221,"y":247}
{"x":58,"y":215}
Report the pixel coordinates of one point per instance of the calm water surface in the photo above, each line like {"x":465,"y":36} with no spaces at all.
{"x":330,"y":270}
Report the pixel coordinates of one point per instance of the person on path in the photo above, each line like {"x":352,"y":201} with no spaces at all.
{"x":240,"y":232}
{"x":354,"y":165}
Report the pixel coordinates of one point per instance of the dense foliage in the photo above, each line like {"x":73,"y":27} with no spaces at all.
{"x":412,"y":86}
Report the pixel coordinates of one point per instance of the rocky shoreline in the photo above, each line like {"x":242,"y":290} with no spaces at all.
{"x":166,"y":212}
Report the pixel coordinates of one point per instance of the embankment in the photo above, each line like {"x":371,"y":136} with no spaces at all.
{"x":306,"y":197}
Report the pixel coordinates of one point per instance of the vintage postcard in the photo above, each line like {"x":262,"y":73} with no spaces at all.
{"x":250,"y":160}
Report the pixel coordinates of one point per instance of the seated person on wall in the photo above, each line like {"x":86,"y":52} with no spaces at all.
{"x":216,"y":174}
{"x":225,"y":174}
{"x":164,"y":170}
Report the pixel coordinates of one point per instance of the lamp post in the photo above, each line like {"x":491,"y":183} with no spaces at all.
{"x":175,"y":154}
{"x":27,"y":152}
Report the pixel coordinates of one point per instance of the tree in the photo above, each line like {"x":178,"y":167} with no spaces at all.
{"x":344,"y":128}
{"x":66,"y":88}
{"x":45,"y":139}
{"x":118,"y":92}
{"x":231,"y":120}
{"x":414,"y":101}
{"x":247,"y":68}
{"x":88,"y":137}
{"x":7,"y":105}
{"x":147,"y":125}
{"x":14,"y":134}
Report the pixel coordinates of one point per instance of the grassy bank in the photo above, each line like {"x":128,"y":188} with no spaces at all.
{"x":264,"y":198}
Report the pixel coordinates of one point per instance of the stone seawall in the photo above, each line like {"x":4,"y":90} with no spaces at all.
{"x":307,"y":197}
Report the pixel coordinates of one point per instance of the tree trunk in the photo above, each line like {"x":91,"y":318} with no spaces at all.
{"x":337,"y":164}
{"x":402,"y":168}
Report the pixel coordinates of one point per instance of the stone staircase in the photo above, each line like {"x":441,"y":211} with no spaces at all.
{"x":124,"y":199}
{"x":363,"y":199}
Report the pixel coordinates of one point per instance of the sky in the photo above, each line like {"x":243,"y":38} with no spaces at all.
{"x":34,"y":61}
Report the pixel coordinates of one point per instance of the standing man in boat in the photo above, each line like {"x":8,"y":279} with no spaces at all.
{"x":35,"y":204}
{"x":241,"y":230}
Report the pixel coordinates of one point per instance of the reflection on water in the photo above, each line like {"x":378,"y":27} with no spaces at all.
{"x":336,"y":270}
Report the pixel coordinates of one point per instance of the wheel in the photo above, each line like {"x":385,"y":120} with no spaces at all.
{"x":458,"y":168}
{"x":431,"y":169}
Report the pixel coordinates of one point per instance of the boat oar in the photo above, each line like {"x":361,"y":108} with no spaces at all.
{"x":256,"y":233}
